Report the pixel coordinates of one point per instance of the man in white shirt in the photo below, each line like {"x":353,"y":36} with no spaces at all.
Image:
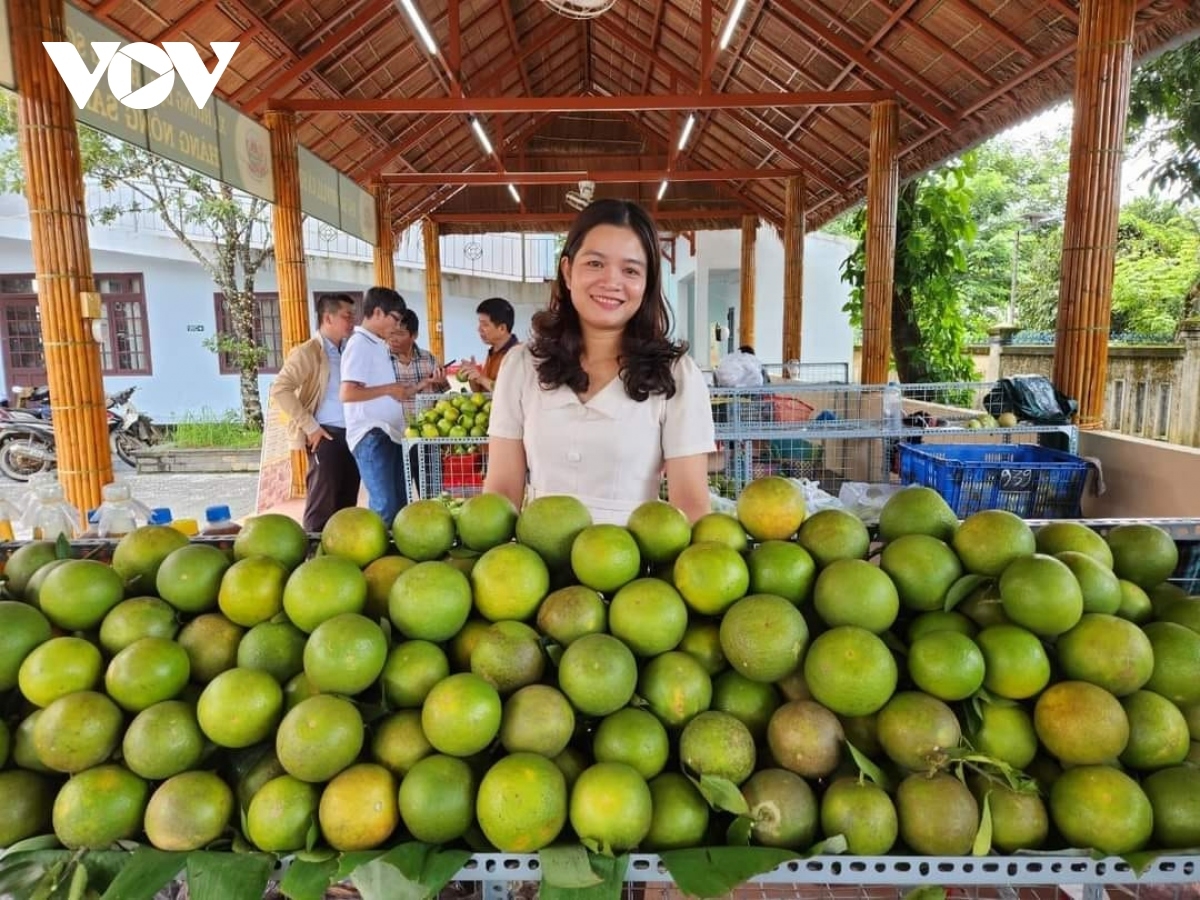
{"x":373,"y":402}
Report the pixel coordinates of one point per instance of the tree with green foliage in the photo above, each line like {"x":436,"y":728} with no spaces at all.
{"x":1158,"y":263}
{"x":182,"y":199}
{"x":1164,"y":114}
{"x":934,"y":230}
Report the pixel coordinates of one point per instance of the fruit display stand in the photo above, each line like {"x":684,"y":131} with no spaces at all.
{"x":445,"y":445}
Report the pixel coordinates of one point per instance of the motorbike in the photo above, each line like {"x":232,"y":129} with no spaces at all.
{"x":27,"y":441}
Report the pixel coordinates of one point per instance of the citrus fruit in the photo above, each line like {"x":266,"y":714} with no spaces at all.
{"x":1101,"y":589}
{"x":1182,"y":611}
{"x":763,"y":637}
{"x":938,"y":816}
{"x":508,"y":655}
{"x":1100,"y":808}
{"x":850,"y":670}
{"x":357,"y":534}
{"x":276,"y":648}
{"x":77,"y":595}
{"x":598,"y":674}
{"x":752,"y":702}
{"x":77,"y":731}
{"x":146,"y":672}
{"x":411,"y":669}
{"x":190,"y":577}
{"x":23,"y":562}
{"x":437,"y":797}
{"x":649,"y":616}
{"x":946,"y":664}
{"x":661,"y":530}
{"x":1158,"y":732}
{"x":461,"y":715}
{"x":509,"y":582}
{"x":1081,"y":724}
{"x":486,"y":521}
{"x":281,"y":813}
{"x":1142,"y":553}
{"x":855,"y":592}
{"x":424,"y":530}
{"x":319,"y":737}
{"x":922,"y":568}
{"x":1005,"y":731}
{"x":605,"y":557}
{"x":462,"y":645}
{"x":917,"y":731}
{"x":1108,"y":651}
{"x":275,"y":535}
{"x":188,"y":811}
{"x":548,"y":525}
{"x":537,"y":719}
{"x":1173,"y":797}
{"x":24,"y":756}
{"x":833,"y":534}
{"x":783,"y":809}
{"x":211,"y":642}
{"x":430,"y":601}
{"x":679,"y":816}
{"x":1136,"y":605}
{"x":359,"y":808}
{"x":917,"y":510}
{"x":988,"y":541}
{"x":99,"y":806}
{"x":939,"y":620}
{"x":1176,"y":649}
{"x":675,"y":686}
{"x":702,"y":640}
{"x":720,"y":528}
{"x":28,"y":799}
{"x":138,"y":555}
{"x":322,"y":588}
{"x":1040,"y":593}
{"x":1019,"y":817}
{"x":1015,"y":662}
{"x":771,"y":508}
{"x":163,"y":740}
{"x":22,"y":628}
{"x":710,"y":577}
{"x":381,"y":575}
{"x":571,"y":612}
{"x":783,"y":569}
{"x":611,"y":807}
{"x":806,"y":738}
{"x":716,"y":743}
{"x":136,"y":618}
{"x":398,"y":741}
{"x":252,"y":770}
{"x":34,"y":588}
{"x":1054,"y":538}
{"x":58,"y":667}
{"x":251,"y":590}
{"x":634,"y":737}
{"x":239,"y":707}
{"x":862,"y":813}
{"x":345,"y":654}
{"x":521,"y":804}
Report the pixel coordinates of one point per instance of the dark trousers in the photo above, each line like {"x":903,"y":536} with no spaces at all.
{"x":332,"y":481}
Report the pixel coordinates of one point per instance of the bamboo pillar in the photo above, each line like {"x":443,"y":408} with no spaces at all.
{"x":49,"y":147}
{"x":433,"y":287}
{"x":288,"y":227}
{"x":746,"y":311}
{"x":385,"y":238}
{"x":793,"y":267}
{"x":883,"y":185}
{"x":1103,"y":65}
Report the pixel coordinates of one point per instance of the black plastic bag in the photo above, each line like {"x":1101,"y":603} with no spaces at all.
{"x":1032,"y":398}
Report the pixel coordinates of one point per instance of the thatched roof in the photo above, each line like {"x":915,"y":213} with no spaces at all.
{"x":962,"y":70}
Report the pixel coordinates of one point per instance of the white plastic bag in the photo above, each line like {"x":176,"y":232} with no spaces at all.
{"x":816,"y":499}
{"x":866,"y":500}
{"x":739,"y":370}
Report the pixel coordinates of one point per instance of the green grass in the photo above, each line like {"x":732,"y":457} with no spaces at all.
{"x":209,"y":428}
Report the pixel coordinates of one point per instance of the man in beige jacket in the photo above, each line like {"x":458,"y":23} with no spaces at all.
{"x":307,"y":391}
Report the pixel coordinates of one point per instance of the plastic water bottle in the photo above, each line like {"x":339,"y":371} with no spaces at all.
{"x":893,"y":407}
{"x":119,"y":512}
{"x":219,"y":520}
{"x":50,"y":515}
{"x":9,"y":516}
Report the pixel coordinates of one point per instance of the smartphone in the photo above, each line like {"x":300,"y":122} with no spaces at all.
{"x":449,"y":364}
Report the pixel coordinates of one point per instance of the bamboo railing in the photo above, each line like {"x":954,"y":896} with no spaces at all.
{"x":793,"y":267}
{"x":883,"y":184}
{"x":1103,"y":66}
{"x":288,"y":225}
{"x":746,"y":307}
{"x":385,"y":238}
{"x":433,"y":288}
{"x":49,"y":148}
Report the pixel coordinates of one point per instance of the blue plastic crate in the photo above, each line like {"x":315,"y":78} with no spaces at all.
{"x":1033,"y":482}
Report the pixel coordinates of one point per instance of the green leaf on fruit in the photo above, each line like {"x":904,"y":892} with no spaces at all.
{"x":868,"y":768}
{"x":739,"y":832}
{"x":40,"y":842}
{"x":147,"y":871}
{"x":425,"y":865}
{"x":983,"y":837}
{"x":380,"y":880}
{"x":721,"y":793}
{"x":962,"y":589}
{"x":567,"y":866}
{"x":830,"y":846}
{"x":610,"y":871}
{"x":715,"y":871}
{"x":308,"y":880}
{"x":212,"y":875}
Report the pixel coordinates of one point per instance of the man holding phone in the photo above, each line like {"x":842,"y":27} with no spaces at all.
{"x":413,"y":364}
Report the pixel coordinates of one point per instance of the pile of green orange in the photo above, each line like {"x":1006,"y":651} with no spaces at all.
{"x":511,"y":681}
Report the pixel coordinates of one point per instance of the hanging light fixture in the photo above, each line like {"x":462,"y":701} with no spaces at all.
{"x":580,"y":9}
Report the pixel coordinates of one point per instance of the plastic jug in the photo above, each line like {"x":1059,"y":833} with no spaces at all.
{"x":219,"y":520}
{"x":50,"y":515}
{"x":119,"y":513}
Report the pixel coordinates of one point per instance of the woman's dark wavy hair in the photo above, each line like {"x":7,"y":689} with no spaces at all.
{"x":647,"y":354}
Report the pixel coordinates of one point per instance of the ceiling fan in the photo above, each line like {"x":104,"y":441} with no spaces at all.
{"x":581,"y":198}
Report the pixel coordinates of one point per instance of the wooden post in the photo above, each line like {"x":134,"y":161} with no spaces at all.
{"x":385,"y":238}
{"x":746,"y":310}
{"x":288,"y":226}
{"x":883,"y":185}
{"x":793,"y":267}
{"x":1103,"y":66}
{"x":58,"y":225}
{"x":433,"y":288}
